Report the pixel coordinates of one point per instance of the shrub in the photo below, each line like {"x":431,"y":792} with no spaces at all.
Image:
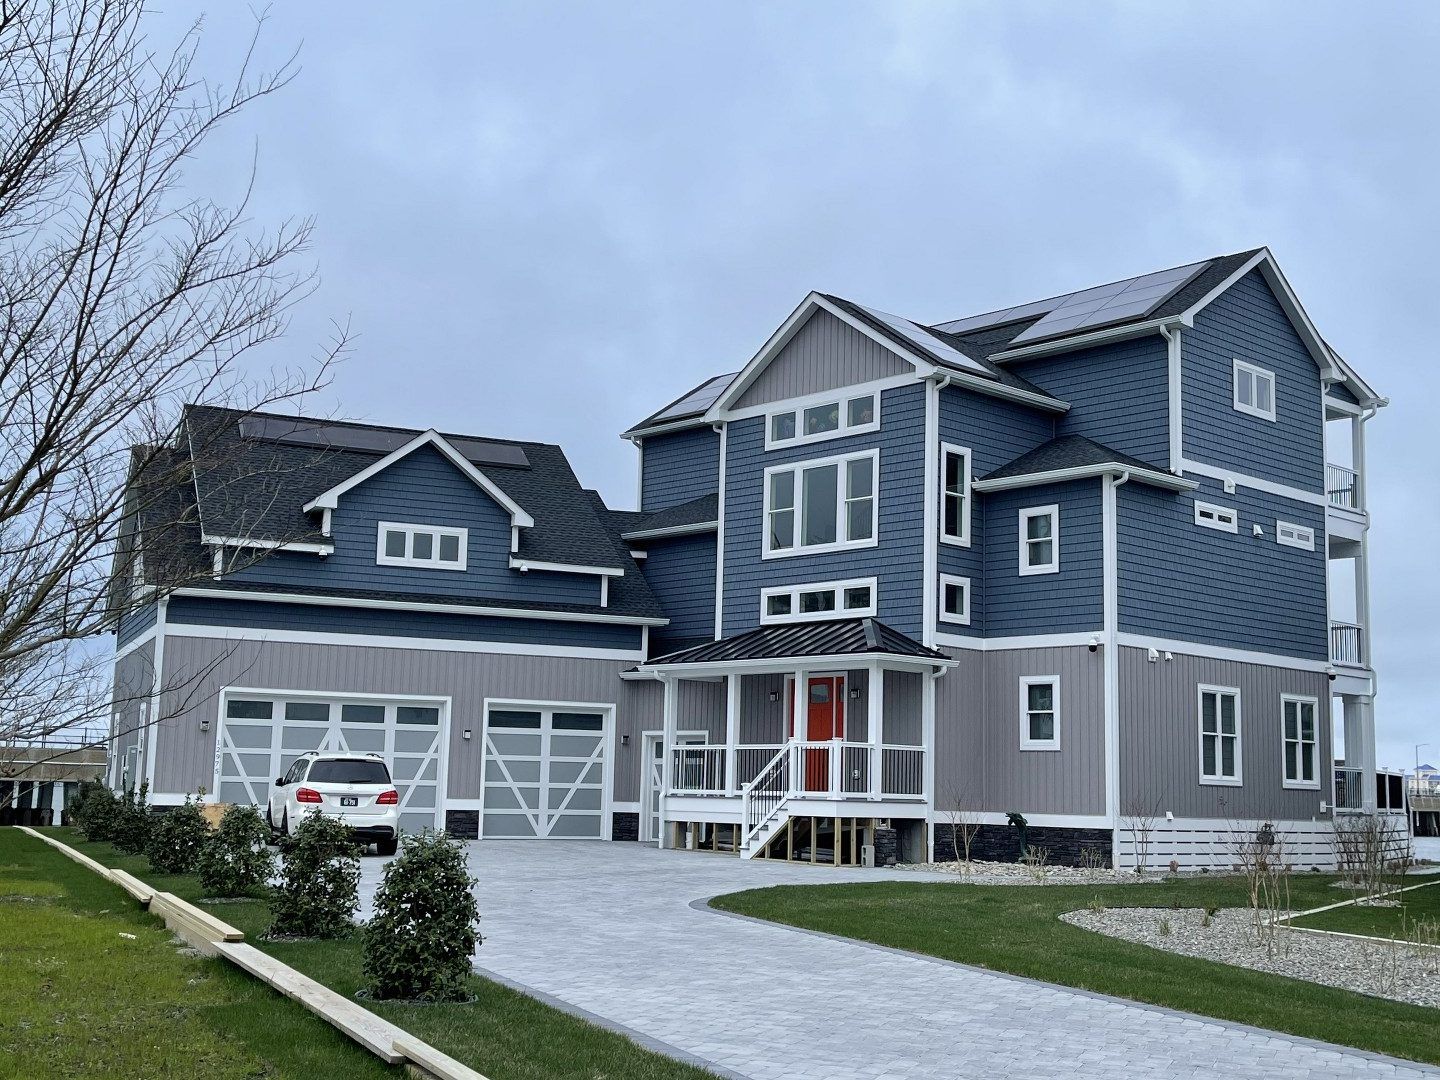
{"x":131,"y":828}
{"x":319,"y":882}
{"x":176,"y":839}
{"x":93,"y":809}
{"x":419,"y":944}
{"x":235,"y":860}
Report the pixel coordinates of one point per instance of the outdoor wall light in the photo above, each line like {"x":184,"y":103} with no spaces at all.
{"x":624,"y":740}
{"x":465,"y":734}
{"x":854,"y":693}
{"x":204,"y":723}
{"x":774,"y":695}
{"x":1094,"y":643}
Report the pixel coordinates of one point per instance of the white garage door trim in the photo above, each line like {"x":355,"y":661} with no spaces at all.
{"x":604,"y":756}
{"x":439,"y":749}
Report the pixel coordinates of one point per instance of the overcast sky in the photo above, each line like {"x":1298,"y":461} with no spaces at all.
{"x":544,"y":220}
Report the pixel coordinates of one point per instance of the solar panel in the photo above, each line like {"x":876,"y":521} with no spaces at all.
{"x":919,"y":336}
{"x":1106,"y":304}
{"x":303,"y":432}
{"x":697,"y":400}
{"x":999,"y":318}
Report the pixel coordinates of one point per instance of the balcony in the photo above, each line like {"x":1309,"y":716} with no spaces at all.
{"x":1347,"y":644}
{"x":1342,"y":487}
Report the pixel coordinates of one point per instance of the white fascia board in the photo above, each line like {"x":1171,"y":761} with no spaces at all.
{"x":329,"y":500}
{"x":637,"y":435}
{"x":677,"y":530}
{"x":377,"y":641}
{"x":779,"y":664}
{"x":267,"y":545}
{"x":768,"y":351}
{"x":517,"y":563}
{"x":1086,"y":472}
{"x":416,"y":605}
{"x":640,"y":675}
{"x":976,"y":643}
{"x":1085,"y":341}
{"x":980,"y":385}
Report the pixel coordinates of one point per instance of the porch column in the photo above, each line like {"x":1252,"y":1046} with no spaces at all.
{"x":732,"y":732}
{"x":57,"y":801}
{"x":1360,"y":745}
{"x":667,"y":762}
{"x":927,"y":742}
{"x":800,"y":729}
{"x":875,"y":728}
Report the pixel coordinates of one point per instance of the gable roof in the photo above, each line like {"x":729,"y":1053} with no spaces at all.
{"x":831,"y":637}
{"x":1074,"y":457}
{"x":686,"y":410}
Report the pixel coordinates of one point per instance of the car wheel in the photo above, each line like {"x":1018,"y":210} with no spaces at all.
{"x":386,"y":847}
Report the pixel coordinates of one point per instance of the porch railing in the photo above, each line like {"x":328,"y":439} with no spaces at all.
{"x":1342,"y":487}
{"x":763,"y":797}
{"x":1349,"y":792}
{"x":1347,"y":644}
{"x":751,"y":758}
{"x":699,"y":770}
{"x":902,"y":771}
{"x":828,"y":770}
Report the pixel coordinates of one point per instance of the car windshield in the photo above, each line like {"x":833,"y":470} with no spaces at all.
{"x":348,"y":771}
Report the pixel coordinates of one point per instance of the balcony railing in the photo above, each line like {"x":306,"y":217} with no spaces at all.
{"x":828,"y":770}
{"x":1342,"y":487}
{"x":699,"y":770}
{"x":1347,"y":644}
{"x":1349,"y":790}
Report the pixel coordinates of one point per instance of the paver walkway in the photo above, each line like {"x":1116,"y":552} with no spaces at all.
{"x":608,"y":930}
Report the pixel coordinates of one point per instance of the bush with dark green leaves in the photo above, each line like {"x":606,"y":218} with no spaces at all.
{"x":94,"y":809}
{"x":131,"y":830}
{"x":176,"y":838}
{"x":418,"y":945}
{"x":235,"y":859}
{"x":319,"y":881}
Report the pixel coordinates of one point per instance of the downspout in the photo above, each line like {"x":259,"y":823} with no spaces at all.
{"x":1111,"y":659}
{"x":720,"y":429}
{"x":1174,"y":389}
{"x":931,"y":558}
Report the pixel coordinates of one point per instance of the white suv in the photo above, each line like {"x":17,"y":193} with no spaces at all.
{"x":353,"y":788}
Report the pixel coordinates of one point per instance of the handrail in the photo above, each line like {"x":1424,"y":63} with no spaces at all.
{"x":762,"y":797}
{"x":1341,"y":486}
{"x":1347,"y":644}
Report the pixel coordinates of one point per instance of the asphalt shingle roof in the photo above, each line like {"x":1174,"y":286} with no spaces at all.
{"x":1067,"y":452}
{"x":831,"y":637}
{"x":697,"y":512}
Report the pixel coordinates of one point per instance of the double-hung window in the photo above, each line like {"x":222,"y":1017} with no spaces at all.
{"x":1219,"y":735}
{"x":821,"y":600}
{"x":427,"y":546}
{"x":823,"y":420}
{"x":821,"y":505}
{"x":1299,"y":732}
{"x":1040,"y":540}
{"x":955,"y":494}
{"x":1254,"y":390}
{"x":1040,"y":712}
{"x":955,"y":599}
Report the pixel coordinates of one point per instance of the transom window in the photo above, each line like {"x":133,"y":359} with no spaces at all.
{"x":1211,"y":516}
{"x":1040,"y":712}
{"x":1040,"y":540}
{"x":821,"y":505}
{"x":955,"y":494}
{"x":826,"y":420}
{"x":819,"y":600}
{"x":955,"y":599}
{"x":1297,"y":536}
{"x":1219,"y":735}
{"x":421,"y":545}
{"x":1301,"y":742}
{"x":1254,"y":390}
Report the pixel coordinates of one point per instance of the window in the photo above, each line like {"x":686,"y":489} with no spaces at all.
{"x":955,"y":494}
{"x":421,"y":545}
{"x":1211,"y":516}
{"x":1219,"y":735}
{"x":1040,"y":712}
{"x":821,"y":505}
{"x":1254,"y":390}
{"x":1040,"y":540}
{"x":839,"y":599}
{"x":955,"y":599}
{"x":826,"y":420}
{"x":1289,"y":534}
{"x":1301,"y":743}
{"x":350,"y":771}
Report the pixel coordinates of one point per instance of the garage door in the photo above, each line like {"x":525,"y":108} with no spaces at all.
{"x":262,"y":734}
{"x":544,"y":772}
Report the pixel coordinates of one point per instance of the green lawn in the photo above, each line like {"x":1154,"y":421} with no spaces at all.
{"x":93,"y":988}
{"x":504,"y":1034}
{"x":1016,"y":929}
{"x":1418,"y":905}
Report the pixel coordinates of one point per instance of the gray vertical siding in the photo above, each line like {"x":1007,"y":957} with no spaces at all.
{"x":1159,"y":738}
{"x":825,"y":354}
{"x":133,"y":683}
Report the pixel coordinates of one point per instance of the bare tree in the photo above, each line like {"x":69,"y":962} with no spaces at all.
{"x":1259,"y":855}
{"x":1139,"y":821}
{"x":123,"y":298}
{"x":964,"y":827}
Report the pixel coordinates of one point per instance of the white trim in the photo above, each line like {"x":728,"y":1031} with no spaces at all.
{"x":816,"y":665}
{"x":1219,"y":779}
{"x":150,"y":716}
{"x":675,"y":530}
{"x":1084,"y":341}
{"x":959,"y":618}
{"x":1000,"y":644}
{"x":839,"y":611}
{"x":1217,"y":652}
{"x":379,"y":641}
{"x":329,"y":500}
{"x":416,"y":605}
{"x":720,"y":533}
{"x":1085,"y":472}
{"x":1024,"y":566}
{"x":1217,"y":517}
{"x":1268,"y":486}
{"x":962,"y":538}
{"x":1337,"y":404}
{"x":1110,"y":560}
{"x":819,"y":397}
{"x":1257,"y":375}
{"x":149,"y":635}
{"x":930,"y":501}
{"x":799,"y":468}
{"x":1289,"y":534}
{"x":841,"y":398}
{"x":267,"y":545}
{"x":565,"y":568}
{"x":409,"y":531}
{"x":1026,"y":741}
{"x":1175,"y":395}
{"x":1314,"y":703}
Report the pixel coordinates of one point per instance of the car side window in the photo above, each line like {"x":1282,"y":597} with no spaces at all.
{"x":297,"y":771}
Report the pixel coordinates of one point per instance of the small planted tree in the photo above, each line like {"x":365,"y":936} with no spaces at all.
{"x":419,"y":943}
{"x":235,"y":859}
{"x":131,"y":829}
{"x":964,"y":827}
{"x":176,"y":840}
{"x":94,"y":808}
{"x":319,"y":881}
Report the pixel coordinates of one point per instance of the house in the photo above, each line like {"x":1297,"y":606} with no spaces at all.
{"x":1068,"y":560}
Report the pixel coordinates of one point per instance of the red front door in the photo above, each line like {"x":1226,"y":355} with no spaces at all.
{"x":824,"y":722}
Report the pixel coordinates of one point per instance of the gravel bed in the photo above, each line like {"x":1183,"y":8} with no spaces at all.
{"x":1000,"y":873}
{"x":1397,"y":971}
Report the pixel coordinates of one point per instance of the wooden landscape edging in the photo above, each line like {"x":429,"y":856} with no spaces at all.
{"x":208,"y":935}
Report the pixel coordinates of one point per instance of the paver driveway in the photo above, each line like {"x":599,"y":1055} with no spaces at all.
{"x":609,"y":930}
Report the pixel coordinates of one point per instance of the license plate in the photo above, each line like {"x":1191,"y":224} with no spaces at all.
{"x":349,"y":800}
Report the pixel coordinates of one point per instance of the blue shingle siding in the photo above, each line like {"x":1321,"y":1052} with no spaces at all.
{"x":896,"y":561}
{"x":1343,"y":393}
{"x":134,"y":623}
{"x":678,"y":467}
{"x":996,"y":431}
{"x":681,"y":573}
{"x":1247,"y":323}
{"x":422,"y":489}
{"x":257,"y":614}
{"x":1065,"y":602}
{"x":1118,"y":394}
{"x":1236,"y":590}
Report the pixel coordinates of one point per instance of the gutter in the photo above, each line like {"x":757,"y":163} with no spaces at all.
{"x":1096,"y":337}
{"x":675,"y":530}
{"x":1153,"y":477}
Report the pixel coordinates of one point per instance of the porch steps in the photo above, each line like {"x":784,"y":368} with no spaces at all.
{"x":753,"y":845}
